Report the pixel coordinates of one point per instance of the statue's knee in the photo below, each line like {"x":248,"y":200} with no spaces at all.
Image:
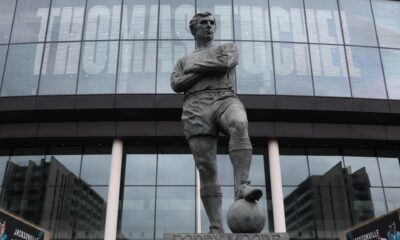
{"x":238,"y":126}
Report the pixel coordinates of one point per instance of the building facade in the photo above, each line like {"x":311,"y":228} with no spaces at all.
{"x":91,"y":143}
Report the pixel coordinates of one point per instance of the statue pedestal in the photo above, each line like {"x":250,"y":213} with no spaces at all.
{"x":226,"y":236}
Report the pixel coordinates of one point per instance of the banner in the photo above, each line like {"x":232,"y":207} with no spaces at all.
{"x":15,"y":228}
{"x":386,"y":227}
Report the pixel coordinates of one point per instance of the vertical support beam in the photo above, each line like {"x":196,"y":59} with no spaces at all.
{"x":198,"y":203}
{"x":110,"y":232}
{"x":276,"y":186}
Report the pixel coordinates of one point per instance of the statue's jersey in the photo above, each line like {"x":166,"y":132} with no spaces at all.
{"x":206,"y":69}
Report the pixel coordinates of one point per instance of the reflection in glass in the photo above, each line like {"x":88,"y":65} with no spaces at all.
{"x":329,"y":71}
{"x":222,"y":11}
{"x":3,"y":164}
{"x":320,"y":165}
{"x":390,"y":169}
{"x":358,"y":24}
{"x":323,"y":22}
{"x":139,"y":19}
{"x":30,"y":21}
{"x":292,"y":69}
{"x":251,"y":20}
{"x":294,"y":169}
{"x":68,"y":158}
{"x":141,"y":169}
{"x":174,"y":19}
{"x":102,"y":19}
{"x":392,"y":198}
{"x":137,"y":221}
{"x":254,"y":74}
{"x":92,"y":212}
{"x":288,"y":21}
{"x":3,"y":53}
{"x":96,"y":168}
{"x":177,"y":203}
{"x":175,"y":169}
{"x":391,"y":66}
{"x":225,"y":170}
{"x":365,"y":72}
{"x":378,"y":200}
{"x":257,"y":170}
{"x":66,"y":20}
{"x":20,"y":80}
{"x":136,"y":73}
{"x":6,"y":18}
{"x":387,"y":19}
{"x":60,"y":68}
{"x":365,"y":169}
{"x":168,"y":54}
{"x":98,"y":67}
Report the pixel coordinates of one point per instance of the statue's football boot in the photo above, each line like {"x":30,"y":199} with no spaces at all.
{"x":249,"y":193}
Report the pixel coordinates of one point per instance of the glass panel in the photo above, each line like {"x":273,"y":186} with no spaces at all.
{"x":136,"y":73}
{"x":137,"y":221}
{"x":225,"y":170}
{"x":96,"y":166}
{"x":139,"y":19}
{"x":66,"y":20}
{"x":329,"y":71}
{"x":387,"y":19}
{"x":379,"y":201}
{"x":254,"y":73}
{"x":3,"y":54}
{"x":30,"y":21}
{"x":26,"y":166}
{"x":4,"y":157}
{"x":292,"y":69}
{"x":60,"y":68}
{"x":363,"y":170}
{"x":288,"y":21}
{"x":294,"y":169}
{"x":168,"y":54}
{"x":140,"y":169}
{"x":393,"y":198}
{"x":102,"y":19}
{"x":98,"y":67}
{"x":391,"y":66}
{"x":20,"y":80}
{"x":6,"y":18}
{"x":222,"y":11}
{"x":92,"y":212}
{"x":65,"y":159}
{"x":390,"y":169}
{"x":175,"y":210}
{"x":175,"y":169}
{"x":323,"y":21}
{"x":257,"y":171}
{"x":174,"y":19}
{"x":358,"y":24}
{"x":365,"y":72}
{"x":251,"y":20}
{"x":324,"y":165}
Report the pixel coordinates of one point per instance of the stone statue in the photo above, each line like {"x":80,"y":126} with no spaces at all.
{"x":210,"y":106}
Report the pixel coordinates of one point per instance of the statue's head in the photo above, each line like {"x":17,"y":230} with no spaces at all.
{"x":203,"y":26}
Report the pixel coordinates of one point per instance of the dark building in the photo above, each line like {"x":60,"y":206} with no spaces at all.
{"x":86,"y":82}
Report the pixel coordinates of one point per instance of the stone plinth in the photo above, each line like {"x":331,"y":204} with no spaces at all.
{"x":226,"y":236}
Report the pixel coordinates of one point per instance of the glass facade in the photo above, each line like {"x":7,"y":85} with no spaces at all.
{"x":294,"y":47}
{"x":329,"y":190}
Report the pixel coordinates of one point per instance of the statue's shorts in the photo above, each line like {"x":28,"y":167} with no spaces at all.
{"x":202,"y":111}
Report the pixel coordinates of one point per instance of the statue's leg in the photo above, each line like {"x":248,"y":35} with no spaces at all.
{"x":204,"y":150}
{"x":234,"y":122}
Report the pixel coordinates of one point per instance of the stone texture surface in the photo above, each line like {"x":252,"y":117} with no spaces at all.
{"x":226,"y":236}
